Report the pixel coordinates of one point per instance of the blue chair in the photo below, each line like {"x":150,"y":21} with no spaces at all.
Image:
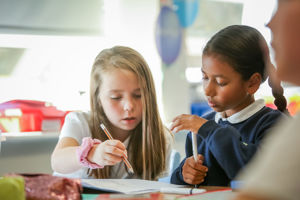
{"x":200,"y":108}
{"x":174,"y":163}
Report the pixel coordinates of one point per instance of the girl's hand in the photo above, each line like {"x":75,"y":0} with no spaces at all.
{"x":109,"y":152}
{"x":194,"y":172}
{"x":187,"y":122}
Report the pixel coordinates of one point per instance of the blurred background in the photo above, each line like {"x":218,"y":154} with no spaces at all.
{"x":47,"y":48}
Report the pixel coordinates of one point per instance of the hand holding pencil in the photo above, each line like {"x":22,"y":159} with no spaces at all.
{"x":109,"y":152}
{"x":194,"y":172}
{"x":124,"y":156}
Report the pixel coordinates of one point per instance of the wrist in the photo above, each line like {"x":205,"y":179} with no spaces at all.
{"x":84,"y":152}
{"x":90,"y":155}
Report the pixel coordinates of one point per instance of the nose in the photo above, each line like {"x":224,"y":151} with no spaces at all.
{"x":209,"y":89}
{"x":128,"y":104}
{"x":271,"y":23}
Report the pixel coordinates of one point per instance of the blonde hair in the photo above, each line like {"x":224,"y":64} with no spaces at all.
{"x":147,"y":143}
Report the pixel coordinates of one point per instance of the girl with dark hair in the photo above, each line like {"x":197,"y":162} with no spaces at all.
{"x":234,"y":64}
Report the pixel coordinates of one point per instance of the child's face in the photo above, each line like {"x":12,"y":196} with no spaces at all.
{"x":120,"y":97}
{"x":223,"y":86}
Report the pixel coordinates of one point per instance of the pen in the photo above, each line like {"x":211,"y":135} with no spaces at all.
{"x":195,"y":152}
{"x":130,"y":169}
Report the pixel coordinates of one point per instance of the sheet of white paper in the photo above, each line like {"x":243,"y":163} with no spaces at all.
{"x":127,"y":186}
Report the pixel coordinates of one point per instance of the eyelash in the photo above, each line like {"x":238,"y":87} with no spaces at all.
{"x":137,"y":96}
{"x":204,"y":78}
{"x":115,"y":98}
{"x":222,"y":84}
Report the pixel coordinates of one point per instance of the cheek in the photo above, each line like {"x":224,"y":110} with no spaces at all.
{"x":287,"y":40}
{"x":139,"y":108}
{"x":227,"y":96}
{"x":287,"y":57}
{"x":110,"y":109}
{"x":231,"y":94}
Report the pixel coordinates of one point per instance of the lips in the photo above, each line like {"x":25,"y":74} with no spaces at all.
{"x":129,"y":120}
{"x":211,"y":103}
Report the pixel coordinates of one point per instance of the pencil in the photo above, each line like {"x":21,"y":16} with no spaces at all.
{"x":130,"y":169}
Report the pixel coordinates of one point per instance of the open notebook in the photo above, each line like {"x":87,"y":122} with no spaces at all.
{"x":135,"y":186}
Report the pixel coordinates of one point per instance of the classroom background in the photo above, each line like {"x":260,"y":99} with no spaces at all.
{"x":47,"y":49}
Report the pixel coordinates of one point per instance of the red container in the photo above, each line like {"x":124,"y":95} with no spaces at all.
{"x":30,"y":115}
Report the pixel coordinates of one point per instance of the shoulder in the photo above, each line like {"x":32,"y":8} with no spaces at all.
{"x":265,"y":119}
{"x":76,"y":126}
{"x":77,"y":117}
{"x":267,"y":113}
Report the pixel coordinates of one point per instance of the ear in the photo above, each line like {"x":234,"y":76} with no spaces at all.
{"x":253,"y":83}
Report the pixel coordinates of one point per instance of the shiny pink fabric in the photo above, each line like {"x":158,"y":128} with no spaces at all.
{"x":48,"y":187}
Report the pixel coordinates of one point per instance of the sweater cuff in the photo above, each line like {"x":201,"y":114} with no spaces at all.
{"x":208,"y":127}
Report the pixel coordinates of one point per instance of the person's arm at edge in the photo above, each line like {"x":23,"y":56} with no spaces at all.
{"x":245,"y":196}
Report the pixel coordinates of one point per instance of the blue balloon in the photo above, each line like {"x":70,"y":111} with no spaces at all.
{"x":187,"y":11}
{"x":168,"y":35}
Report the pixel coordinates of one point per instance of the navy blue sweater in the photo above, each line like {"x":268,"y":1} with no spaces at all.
{"x":227,"y":147}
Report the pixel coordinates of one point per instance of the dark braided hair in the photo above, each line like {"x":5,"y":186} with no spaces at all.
{"x":242,"y":47}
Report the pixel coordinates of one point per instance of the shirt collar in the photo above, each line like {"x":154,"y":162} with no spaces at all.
{"x":243,"y":114}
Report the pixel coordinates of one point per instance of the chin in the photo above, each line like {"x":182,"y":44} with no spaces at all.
{"x":128,"y":127}
{"x":217,"y":109}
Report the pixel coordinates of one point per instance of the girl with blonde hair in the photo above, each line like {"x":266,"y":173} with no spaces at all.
{"x":123,"y":98}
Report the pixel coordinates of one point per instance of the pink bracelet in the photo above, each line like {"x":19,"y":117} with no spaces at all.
{"x":83,"y":150}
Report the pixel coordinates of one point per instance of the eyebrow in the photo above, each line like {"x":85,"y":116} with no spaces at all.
{"x":217,"y":75}
{"x":115,"y":90}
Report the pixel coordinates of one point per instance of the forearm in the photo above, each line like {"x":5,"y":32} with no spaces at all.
{"x":65,"y":160}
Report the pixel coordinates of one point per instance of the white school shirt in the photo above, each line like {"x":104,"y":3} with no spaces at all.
{"x":275,"y":170}
{"x":242,"y":115}
{"x":76,"y":126}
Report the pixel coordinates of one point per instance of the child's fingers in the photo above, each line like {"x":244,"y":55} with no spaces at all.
{"x":191,"y":161}
{"x":194,"y":172}
{"x":173,"y":125}
{"x":194,"y":169}
{"x":110,"y":159}
{"x":177,"y":121}
{"x":114,"y":151}
{"x":116,"y":147}
{"x":192,"y":179}
{"x":200,"y":157}
{"x":177,"y":128}
{"x":197,"y":166}
{"x":116,"y":143}
{"x":201,"y":168}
